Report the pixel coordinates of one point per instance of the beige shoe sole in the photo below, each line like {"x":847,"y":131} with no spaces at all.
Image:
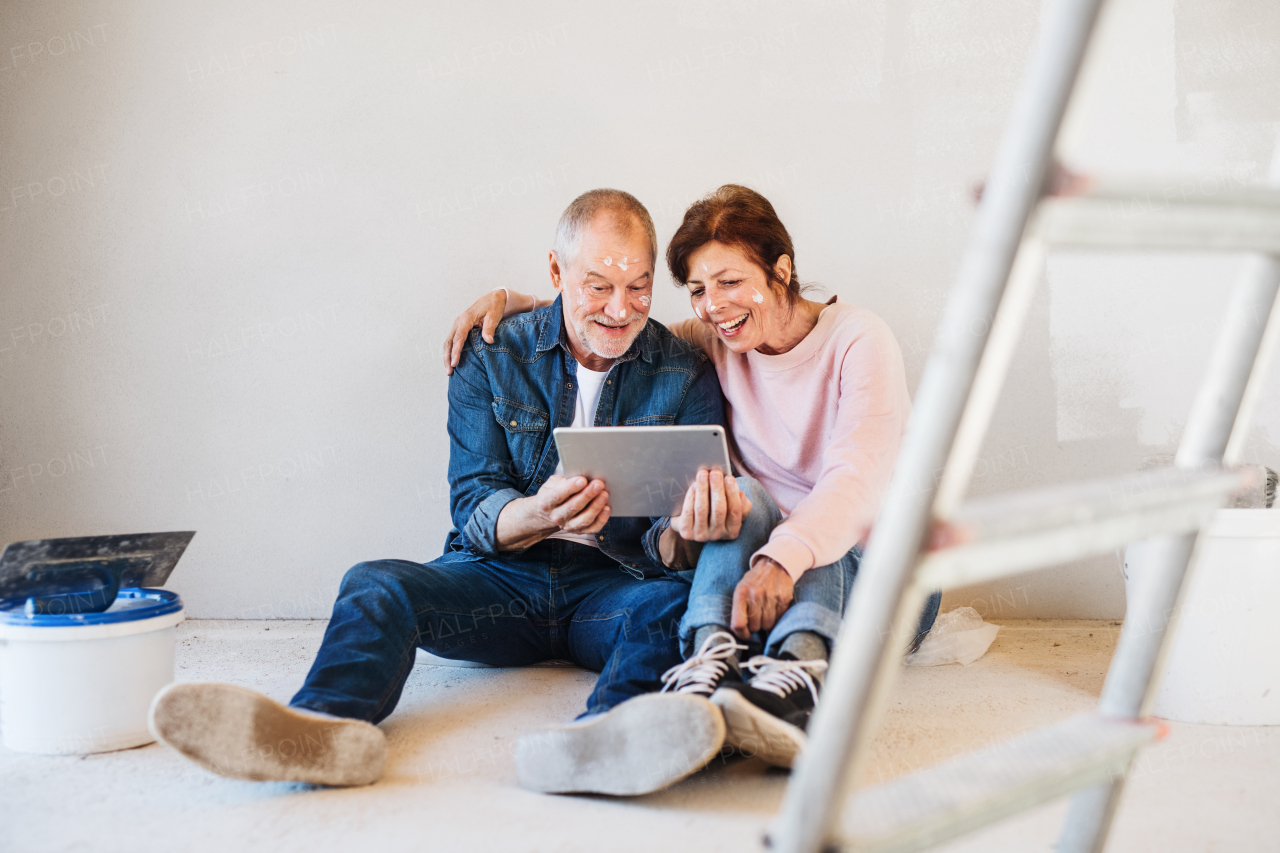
{"x":241,"y":734}
{"x":757,"y":733}
{"x":641,"y":746}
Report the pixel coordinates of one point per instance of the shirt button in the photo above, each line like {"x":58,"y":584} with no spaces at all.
{"x":570,"y":385}
{"x":513,"y":423}
{"x":608,"y":382}
{"x":600,"y":536}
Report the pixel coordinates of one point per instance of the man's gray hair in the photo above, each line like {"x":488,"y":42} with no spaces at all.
{"x":580,"y":213}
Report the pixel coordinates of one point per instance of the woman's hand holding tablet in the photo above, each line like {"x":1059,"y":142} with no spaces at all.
{"x":713,"y":509}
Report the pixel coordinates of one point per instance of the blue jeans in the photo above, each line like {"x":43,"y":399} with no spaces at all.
{"x":556,"y":601}
{"x":820,"y":595}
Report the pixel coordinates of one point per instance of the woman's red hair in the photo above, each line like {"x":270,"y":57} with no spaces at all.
{"x":735,"y":216}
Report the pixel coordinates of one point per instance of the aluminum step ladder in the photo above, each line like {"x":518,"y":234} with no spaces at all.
{"x":1087,"y":756}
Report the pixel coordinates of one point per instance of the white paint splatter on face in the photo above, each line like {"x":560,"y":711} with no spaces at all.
{"x":622,"y":314}
{"x":698,"y":311}
{"x":757,"y":299}
{"x":644,"y":300}
{"x":622,"y":264}
{"x":712,"y":308}
{"x":608,"y":261}
{"x":704,"y":268}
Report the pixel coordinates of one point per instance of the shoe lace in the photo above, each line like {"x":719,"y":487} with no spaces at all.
{"x":701,"y":673}
{"x":781,"y":677}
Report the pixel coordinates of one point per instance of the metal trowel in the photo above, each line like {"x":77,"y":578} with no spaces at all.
{"x":82,"y":574}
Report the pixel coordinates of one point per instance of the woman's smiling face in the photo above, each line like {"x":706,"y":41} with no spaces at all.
{"x":731,"y":293}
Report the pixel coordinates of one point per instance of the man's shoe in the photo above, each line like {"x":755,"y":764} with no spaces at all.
{"x":767,"y":716}
{"x":638,"y":747}
{"x":241,"y":734}
{"x":713,"y":666}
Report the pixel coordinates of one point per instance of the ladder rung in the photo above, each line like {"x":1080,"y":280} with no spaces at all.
{"x":965,"y":793}
{"x":1017,"y":531}
{"x":1171,"y":216}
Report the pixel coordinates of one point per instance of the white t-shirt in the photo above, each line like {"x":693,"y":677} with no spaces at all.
{"x":590,"y":384}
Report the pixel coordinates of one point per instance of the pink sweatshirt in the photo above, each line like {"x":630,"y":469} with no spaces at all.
{"x":818,"y":426}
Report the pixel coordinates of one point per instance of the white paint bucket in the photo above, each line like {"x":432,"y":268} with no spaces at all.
{"x":82,"y":682}
{"x":1223,"y":666}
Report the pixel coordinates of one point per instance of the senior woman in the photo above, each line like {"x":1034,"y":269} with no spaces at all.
{"x":817,"y":401}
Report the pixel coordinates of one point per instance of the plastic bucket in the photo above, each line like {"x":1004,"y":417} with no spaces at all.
{"x":1223,"y":665}
{"x":83,"y":682}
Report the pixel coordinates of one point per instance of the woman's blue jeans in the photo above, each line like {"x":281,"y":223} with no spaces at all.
{"x":820,"y":596}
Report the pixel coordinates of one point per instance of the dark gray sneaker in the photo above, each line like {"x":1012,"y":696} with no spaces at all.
{"x":714,"y":665}
{"x":767,"y":716}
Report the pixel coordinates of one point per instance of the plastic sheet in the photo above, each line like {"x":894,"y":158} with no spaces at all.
{"x":959,"y":636}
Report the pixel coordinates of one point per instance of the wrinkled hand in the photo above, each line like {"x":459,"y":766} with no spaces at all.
{"x":485,"y":312}
{"x":713,"y":509}
{"x":760,"y":599}
{"x":573,"y":504}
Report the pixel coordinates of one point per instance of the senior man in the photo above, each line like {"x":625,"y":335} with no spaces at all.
{"x":534,"y":568}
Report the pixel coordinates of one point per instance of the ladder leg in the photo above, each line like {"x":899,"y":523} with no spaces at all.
{"x":1217,"y":405}
{"x":1134,"y":673}
{"x":863,"y":663}
{"x":1257,"y":380}
{"x":1131,"y":680}
{"x":1157,"y":581}
{"x":1089,"y":818}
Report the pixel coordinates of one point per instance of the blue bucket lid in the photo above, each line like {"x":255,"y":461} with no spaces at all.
{"x":130,"y":605}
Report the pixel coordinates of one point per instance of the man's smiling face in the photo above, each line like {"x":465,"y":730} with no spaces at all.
{"x":607,"y":288}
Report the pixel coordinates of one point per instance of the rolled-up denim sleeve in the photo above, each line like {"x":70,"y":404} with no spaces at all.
{"x":703,"y":405}
{"x":481,"y":530}
{"x":481,"y":474}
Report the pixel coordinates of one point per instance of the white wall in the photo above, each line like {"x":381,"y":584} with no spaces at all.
{"x":233,"y":236}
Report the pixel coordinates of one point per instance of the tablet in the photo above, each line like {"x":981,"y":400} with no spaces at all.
{"x":647,"y":470}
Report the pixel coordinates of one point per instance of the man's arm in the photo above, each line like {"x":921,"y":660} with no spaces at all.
{"x":482,"y":477}
{"x":485,"y":501}
{"x":491,"y":309}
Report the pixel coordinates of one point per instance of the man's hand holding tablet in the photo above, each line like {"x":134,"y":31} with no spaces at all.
{"x":571,"y":504}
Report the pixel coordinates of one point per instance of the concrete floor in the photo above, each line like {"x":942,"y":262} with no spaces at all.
{"x":450,"y":781}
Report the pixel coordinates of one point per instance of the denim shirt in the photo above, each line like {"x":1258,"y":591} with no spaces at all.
{"x":505,"y":398}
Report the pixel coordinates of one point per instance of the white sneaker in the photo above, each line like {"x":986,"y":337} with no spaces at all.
{"x":641,"y":746}
{"x":235,"y":732}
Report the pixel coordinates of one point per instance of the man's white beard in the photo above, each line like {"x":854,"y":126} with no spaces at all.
{"x":586,"y":333}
